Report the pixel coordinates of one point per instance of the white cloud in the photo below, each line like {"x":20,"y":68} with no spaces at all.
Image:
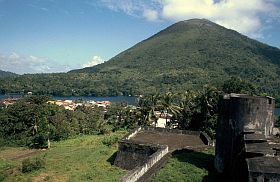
{"x":143,"y":8}
{"x":243,"y":16}
{"x":22,"y":64}
{"x":150,"y":15}
{"x":44,"y":9}
{"x":95,"y":61}
{"x":129,"y":7}
{"x":248,"y":17}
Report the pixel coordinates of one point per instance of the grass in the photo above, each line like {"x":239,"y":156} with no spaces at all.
{"x":84,"y":158}
{"x":5,"y":167}
{"x":90,"y":158}
{"x":188,"y":166}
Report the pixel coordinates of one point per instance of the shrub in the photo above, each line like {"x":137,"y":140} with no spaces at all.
{"x":109,"y":140}
{"x":29,"y":165}
{"x":106,"y":129}
{"x":39,"y":141}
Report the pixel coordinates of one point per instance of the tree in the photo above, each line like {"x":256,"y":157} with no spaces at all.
{"x":146,"y":109}
{"x":168,"y":106}
{"x":117,"y":116}
{"x":188,"y":106}
{"x":239,"y":86}
{"x":205,"y":117}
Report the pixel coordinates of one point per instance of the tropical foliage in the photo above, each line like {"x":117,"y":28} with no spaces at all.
{"x":33,"y":122}
{"x":190,"y":110}
{"x":4,"y":74}
{"x":237,"y":85}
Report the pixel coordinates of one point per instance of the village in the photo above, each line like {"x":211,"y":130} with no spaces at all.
{"x":67,"y":104}
{"x":72,"y":105}
{"x":162,"y":121}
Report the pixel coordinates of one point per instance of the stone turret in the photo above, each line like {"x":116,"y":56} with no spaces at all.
{"x":240,"y":114}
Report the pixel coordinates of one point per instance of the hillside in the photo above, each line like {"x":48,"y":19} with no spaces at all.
{"x":6,"y":74}
{"x":185,"y":55}
{"x":191,"y":53}
{"x":83,"y":158}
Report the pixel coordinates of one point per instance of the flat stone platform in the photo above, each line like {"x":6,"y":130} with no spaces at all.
{"x":264,"y":165}
{"x":263,"y":162}
{"x":146,"y":149}
{"x":172,"y":140}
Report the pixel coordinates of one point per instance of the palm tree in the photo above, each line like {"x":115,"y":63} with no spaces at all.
{"x":147,"y":107}
{"x":188,"y":106}
{"x":34,"y":127}
{"x":167,"y":105}
{"x":208,"y":102}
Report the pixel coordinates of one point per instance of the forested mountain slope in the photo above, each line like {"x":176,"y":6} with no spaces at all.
{"x":186,"y":55}
{"x":6,"y":74}
{"x":191,"y":53}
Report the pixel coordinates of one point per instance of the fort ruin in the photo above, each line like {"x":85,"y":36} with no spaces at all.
{"x":246,"y":150}
{"x":146,"y":149}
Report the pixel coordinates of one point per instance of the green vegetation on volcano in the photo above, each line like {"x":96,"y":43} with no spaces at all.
{"x":186,"y":55}
{"x":4,"y":74}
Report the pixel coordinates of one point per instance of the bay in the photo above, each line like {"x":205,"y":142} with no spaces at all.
{"x":9,"y":96}
{"x":277,"y":112}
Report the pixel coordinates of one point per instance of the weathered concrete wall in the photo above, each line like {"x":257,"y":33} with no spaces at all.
{"x":206,"y":139}
{"x":263,"y":161}
{"x":263,"y":169}
{"x":254,"y":177}
{"x":202,"y":135}
{"x":134,"y":153}
{"x":168,"y":130}
{"x":239,"y":114}
{"x":132,"y":133}
{"x":131,"y":155}
{"x":140,"y":155}
{"x":135,"y":174}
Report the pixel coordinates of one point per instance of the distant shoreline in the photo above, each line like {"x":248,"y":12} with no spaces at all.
{"x":131,"y":100}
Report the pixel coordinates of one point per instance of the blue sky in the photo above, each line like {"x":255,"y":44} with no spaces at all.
{"x":59,"y":35}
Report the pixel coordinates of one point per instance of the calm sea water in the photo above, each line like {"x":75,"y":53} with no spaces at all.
{"x":130,"y":100}
{"x":277,"y":112}
{"x":9,"y":96}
